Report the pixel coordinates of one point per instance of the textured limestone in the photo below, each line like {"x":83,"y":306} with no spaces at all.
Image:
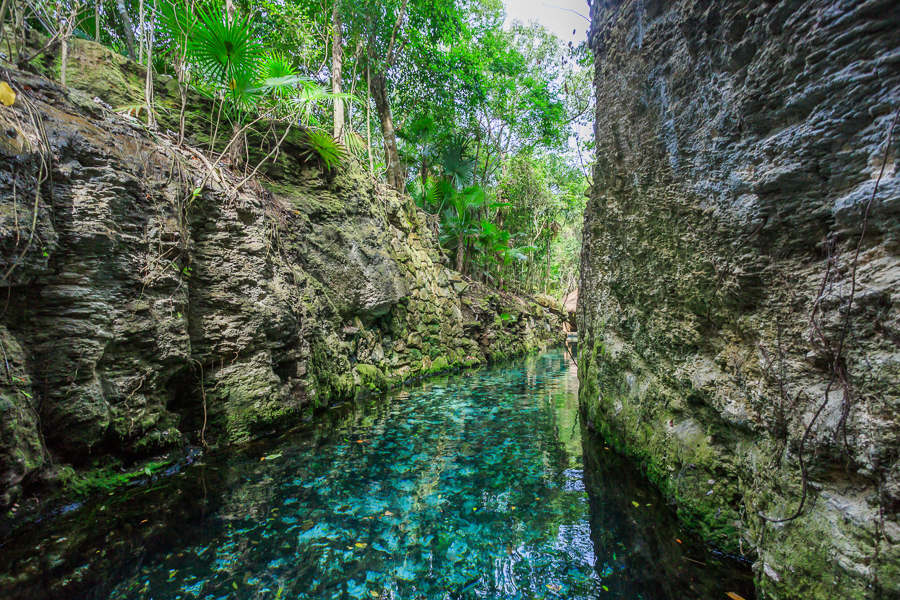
{"x":739,"y":144}
{"x":138,"y":317}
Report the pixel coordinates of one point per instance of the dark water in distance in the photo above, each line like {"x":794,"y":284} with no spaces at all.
{"x":468,"y":486}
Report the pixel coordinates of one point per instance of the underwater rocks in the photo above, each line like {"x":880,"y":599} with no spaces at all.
{"x":739,"y":147}
{"x":139,"y":316}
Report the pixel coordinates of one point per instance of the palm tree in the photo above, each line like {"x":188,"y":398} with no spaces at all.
{"x":458,"y":221}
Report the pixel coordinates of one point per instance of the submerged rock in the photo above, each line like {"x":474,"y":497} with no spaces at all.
{"x":739,"y":146}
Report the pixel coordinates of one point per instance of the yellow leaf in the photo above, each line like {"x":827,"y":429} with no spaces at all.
{"x":7,"y":95}
{"x":361,"y":545}
{"x":734,"y":596}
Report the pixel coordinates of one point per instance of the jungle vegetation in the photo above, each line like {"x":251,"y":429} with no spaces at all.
{"x":476,"y":120}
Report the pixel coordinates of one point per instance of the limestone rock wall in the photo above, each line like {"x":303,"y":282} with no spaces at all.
{"x":137,"y":316}
{"x":739,"y":145}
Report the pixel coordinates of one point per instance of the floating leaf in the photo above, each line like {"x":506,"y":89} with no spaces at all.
{"x":636,"y":503}
{"x":734,"y":596}
{"x":7,"y":95}
{"x":605,"y":589}
{"x":272,"y":456}
{"x":361,"y":545}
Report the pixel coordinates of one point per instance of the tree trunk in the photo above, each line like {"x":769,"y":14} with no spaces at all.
{"x":336,"y":66}
{"x":230,"y":10}
{"x":141,"y":32}
{"x":126,"y":25}
{"x":97,"y":21}
{"x":3,"y":16}
{"x":65,"y":60}
{"x":369,"y":121}
{"x":383,"y":107}
{"x":460,"y":253}
{"x":148,"y":81}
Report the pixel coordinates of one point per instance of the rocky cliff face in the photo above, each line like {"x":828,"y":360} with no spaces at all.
{"x":740,"y":292}
{"x":138,"y":316}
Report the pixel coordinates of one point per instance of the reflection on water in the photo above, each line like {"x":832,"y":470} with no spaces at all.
{"x":464,"y":487}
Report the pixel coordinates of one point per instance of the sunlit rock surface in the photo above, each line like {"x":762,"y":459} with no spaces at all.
{"x":739,"y":145}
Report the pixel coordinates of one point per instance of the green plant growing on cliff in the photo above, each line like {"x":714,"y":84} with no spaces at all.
{"x":227,"y":62}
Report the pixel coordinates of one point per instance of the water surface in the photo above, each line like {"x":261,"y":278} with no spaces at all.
{"x":469,"y":486}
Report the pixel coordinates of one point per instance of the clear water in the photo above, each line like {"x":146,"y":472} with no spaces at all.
{"x":471,"y":486}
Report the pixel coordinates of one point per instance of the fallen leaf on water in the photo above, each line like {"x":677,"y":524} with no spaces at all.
{"x":553,"y":587}
{"x":605,"y":589}
{"x":361,"y":545}
{"x":734,"y":596}
{"x":234,"y":584}
{"x":677,"y":540}
{"x":7,"y":95}
{"x":388,"y":513}
{"x":271,"y":456}
{"x":635,"y":503}
{"x":374,"y":594}
{"x":144,"y":521}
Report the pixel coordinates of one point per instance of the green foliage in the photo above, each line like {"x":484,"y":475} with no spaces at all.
{"x":226,"y":55}
{"x":490,"y":116}
{"x":319,"y":144}
{"x":456,"y":163}
{"x":276,"y":66}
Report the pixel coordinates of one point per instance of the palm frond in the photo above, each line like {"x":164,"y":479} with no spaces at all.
{"x":319,"y":144}
{"x":456,"y":162}
{"x":226,"y":52}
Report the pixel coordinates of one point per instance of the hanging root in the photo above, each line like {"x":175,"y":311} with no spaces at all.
{"x":839,"y":372}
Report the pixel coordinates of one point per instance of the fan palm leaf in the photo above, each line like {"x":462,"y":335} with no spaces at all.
{"x":226,"y":53}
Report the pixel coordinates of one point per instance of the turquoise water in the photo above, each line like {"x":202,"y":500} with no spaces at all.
{"x":470,"y":486}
